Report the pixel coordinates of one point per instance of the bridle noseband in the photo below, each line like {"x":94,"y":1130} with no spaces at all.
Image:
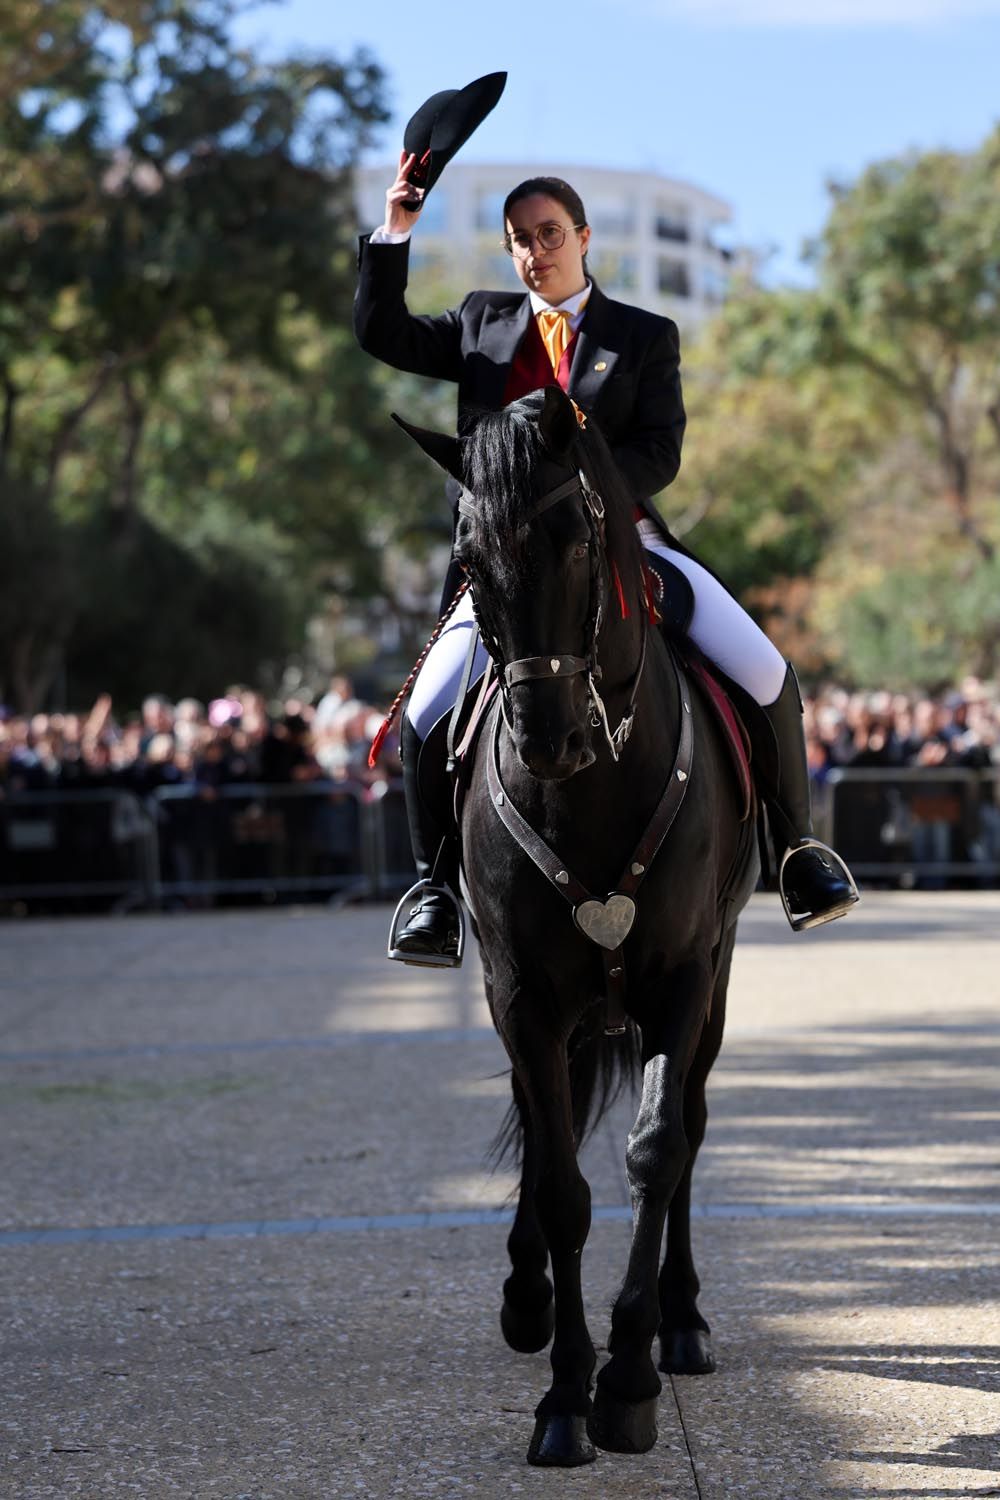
{"x":532,"y":668}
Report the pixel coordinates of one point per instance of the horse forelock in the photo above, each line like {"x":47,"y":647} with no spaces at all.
{"x":502,"y":462}
{"x":502,"y":459}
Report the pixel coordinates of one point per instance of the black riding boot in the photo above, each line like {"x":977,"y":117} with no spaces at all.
{"x":816,"y":886}
{"x":431,"y":926}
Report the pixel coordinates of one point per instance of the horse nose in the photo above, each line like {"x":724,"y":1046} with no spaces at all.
{"x":555,"y":757}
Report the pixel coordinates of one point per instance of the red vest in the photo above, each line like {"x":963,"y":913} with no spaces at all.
{"x":531,"y":368}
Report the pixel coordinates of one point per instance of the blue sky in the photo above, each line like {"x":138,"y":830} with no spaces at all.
{"x":760,"y":101}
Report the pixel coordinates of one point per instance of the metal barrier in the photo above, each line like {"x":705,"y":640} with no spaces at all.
{"x":391,"y":857}
{"x":345,"y":840}
{"x":914,"y":824}
{"x":77,"y":845}
{"x":262,"y":839}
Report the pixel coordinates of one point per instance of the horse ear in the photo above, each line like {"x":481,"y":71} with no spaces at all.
{"x":557,"y":423}
{"x":444,"y":450}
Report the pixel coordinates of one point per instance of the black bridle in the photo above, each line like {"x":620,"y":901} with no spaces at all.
{"x":533,"y":668}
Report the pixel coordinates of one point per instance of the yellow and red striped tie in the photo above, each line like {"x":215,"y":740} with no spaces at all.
{"x":553,"y":325}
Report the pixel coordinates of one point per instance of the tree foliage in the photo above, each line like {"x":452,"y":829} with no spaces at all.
{"x":868,"y":410}
{"x":175,"y":227}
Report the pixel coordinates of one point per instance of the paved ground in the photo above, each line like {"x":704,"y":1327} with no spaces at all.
{"x":249,"y":1250}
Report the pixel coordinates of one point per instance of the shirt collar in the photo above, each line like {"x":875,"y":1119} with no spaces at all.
{"x":572,"y":305}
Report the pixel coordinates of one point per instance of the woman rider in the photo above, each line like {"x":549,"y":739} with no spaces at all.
{"x":620,"y":364}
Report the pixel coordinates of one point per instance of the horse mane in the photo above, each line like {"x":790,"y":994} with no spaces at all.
{"x":502,"y":457}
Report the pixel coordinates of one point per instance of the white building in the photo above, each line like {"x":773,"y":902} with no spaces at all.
{"x":653,"y":237}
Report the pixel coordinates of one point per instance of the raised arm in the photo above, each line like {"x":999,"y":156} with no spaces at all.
{"x":383,"y":324}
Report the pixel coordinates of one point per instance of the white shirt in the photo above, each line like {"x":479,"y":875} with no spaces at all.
{"x":576,"y":306}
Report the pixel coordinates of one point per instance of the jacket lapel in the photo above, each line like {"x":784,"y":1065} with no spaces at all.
{"x":594,"y":358}
{"x":501,"y":332}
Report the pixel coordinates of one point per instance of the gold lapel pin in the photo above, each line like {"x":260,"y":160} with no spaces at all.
{"x":602,"y":364}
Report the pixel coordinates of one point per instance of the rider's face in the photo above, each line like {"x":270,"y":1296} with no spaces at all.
{"x":554,"y":274}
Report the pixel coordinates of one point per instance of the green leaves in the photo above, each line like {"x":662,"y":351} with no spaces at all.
{"x":843,"y":446}
{"x":175,"y":233}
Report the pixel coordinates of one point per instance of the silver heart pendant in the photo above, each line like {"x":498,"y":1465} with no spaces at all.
{"x":607,"y":923}
{"x":554,"y":663}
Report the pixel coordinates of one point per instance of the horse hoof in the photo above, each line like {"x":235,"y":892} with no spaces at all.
{"x":622,"y":1426}
{"x":560,"y":1442}
{"x":527,"y":1333}
{"x":686,"y":1351}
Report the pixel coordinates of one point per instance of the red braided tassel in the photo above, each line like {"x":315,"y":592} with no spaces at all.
{"x":387,"y":722}
{"x":617,"y":581}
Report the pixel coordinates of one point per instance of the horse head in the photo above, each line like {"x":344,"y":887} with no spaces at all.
{"x":541,"y":516}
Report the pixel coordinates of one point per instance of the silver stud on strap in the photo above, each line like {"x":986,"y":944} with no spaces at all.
{"x":687,"y":708}
{"x":682,"y":776}
{"x":562,"y":877}
{"x":638,"y":869}
{"x":499,"y":799}
{"x":555,"y":663}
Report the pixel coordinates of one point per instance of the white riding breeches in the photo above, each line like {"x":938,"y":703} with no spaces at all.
{"x":719,"y":627}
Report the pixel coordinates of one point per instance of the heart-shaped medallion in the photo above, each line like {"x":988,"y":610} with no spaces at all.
{"x":607,"y":923}
{"x":555,"y":663}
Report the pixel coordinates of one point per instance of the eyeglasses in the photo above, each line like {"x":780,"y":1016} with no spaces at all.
{"x":549,"y":237}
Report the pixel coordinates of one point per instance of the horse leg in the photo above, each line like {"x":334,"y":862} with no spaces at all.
{"x":527,"y":1316}
{"x":685,"y":1341}
{"x":562,"y":1203}
{"x":624,"y":1412}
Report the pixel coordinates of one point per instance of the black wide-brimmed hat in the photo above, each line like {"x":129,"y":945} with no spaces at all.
{"x":443,"y":124}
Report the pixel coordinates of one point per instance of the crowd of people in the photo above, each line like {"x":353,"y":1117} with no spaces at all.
{"x":957,"y":728}
{"x":190,"y":752}
{"x":238,"y":738}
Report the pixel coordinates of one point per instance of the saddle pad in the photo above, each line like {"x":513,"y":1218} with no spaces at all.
{"x":733,"y":731}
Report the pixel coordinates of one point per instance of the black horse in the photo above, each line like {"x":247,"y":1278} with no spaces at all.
{"x":546,"y":535}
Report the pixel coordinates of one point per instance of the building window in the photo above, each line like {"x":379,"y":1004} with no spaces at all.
{"x":614,"y":217}
{"x":434,"y":214}
{"x":489,"y":212}
{"x":672,"y":277}
{"x":671,"y":224}
{"x":616,"y":271}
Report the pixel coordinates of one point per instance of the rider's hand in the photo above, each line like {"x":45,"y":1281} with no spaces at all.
{"x":397,"y":218}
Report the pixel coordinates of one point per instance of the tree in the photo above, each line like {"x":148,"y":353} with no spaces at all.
{"x":162,"y":194}
{"x":910,"y":295}
{"x":877,"y":395}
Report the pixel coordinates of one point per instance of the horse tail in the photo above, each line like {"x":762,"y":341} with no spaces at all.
{"x":601,"y":1068}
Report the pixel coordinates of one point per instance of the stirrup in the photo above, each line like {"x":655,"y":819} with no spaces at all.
{"x":427,"y":960}
{"x":803,"y":920}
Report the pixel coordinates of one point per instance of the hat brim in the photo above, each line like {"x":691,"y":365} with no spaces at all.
{"x":445,"y":121}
